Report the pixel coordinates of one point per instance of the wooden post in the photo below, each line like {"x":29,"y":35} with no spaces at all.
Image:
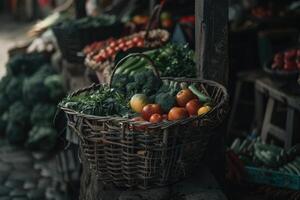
{"x":211,"y":34}
{"x":212,"y":39}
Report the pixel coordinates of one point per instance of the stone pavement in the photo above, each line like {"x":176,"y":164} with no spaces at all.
{"x":24,"y":175}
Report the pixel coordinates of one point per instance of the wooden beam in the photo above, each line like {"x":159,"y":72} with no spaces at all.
{"x":212,"y":39}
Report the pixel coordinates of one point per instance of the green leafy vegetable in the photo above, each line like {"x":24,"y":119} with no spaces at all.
{"x":104,"y":101}
{"x":175,"y":60}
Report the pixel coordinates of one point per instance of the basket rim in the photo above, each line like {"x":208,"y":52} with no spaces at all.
{"x":163,"y":124}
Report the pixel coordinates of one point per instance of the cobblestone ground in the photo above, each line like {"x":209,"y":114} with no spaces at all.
{"x":23,"y":175}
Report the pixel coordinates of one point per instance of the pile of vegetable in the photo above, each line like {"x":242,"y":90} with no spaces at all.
{"x":170,"y":103}
{"x":287,"y":61}
{"x":171,"y":60}
{"x":29,"y":94}
{"x":103,"y":51}
{"x":142,"y":97}
{"x":252,"y":152}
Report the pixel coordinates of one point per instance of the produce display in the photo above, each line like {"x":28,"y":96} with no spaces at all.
{"x":171,"y":60}
{"x":106,"y":51}
{"x":29,"y":94}
{"x":142,"y":97}
{"x":287,"y":61}
{"x":252,"y":152}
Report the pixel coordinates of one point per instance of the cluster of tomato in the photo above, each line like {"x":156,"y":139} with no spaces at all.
{"x":289,"y":60}
{"x":95,"y":46}
{"x":187,"y":104}
{"x":114,"y":46}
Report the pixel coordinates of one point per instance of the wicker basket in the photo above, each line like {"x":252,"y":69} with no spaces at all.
{"x":72,"y":40}
{"x":143,"y":154}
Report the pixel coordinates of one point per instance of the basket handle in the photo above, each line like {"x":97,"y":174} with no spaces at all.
{"x":150,"y":61}
{"x":153,"y":18}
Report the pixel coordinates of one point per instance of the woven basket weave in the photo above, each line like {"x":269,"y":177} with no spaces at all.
{"x":143,"y":154}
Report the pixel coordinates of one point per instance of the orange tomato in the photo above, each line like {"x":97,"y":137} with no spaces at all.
{"x":184,"y":96}
{"x":193,"y":106}
{"x":150,"y":109}
{"x":155,"y":118}
{"x":177,"y":113}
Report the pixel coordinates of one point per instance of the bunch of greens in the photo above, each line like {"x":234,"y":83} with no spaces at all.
{"x":175,"y":60}
{"x":102,"y":102}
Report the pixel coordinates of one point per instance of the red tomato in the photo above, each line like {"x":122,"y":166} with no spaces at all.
{"x":121,"y":40}
{"x":110,"y":51}
{"x":137,"y":39}
{"x":290,"y":54}
{"x":138,"y":127}
{"x":99,"y":58}
{"x":117,"y":49}
{"x":129,"y":43}
{"x":193,"y":106}
{"x":290,"y":65}
{"x":177,"y":113}
{"x":140,"y":44}
{"x":113,"y":44}
{"x":155,"y":118}
{"x":137,"y":119}
{"x":149,"y":110}
{"x":184,"y":96}
{"x":121,"y":45}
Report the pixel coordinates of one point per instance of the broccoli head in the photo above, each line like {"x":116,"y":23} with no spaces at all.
{"x":4,"y":103}
{"x":26,"y":63}
{"x":15,"y":133}
{"x":19,"y":113}
{"x":166,"y":101}
{"x":147,"y":83}
{"x":34,"y":90}
{"x":13,"y":90}
{"x":4,"y":82}
{"x":54,"y":83}
{"x":42,"y":138}
{"x":3,"y":123}
{"x":42,"y":114}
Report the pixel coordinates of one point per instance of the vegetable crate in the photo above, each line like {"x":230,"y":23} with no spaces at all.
{"x":274,"y":178}
{"x":142,"y":154}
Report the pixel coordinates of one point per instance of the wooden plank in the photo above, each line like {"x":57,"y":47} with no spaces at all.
{"x":212,"y":39}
